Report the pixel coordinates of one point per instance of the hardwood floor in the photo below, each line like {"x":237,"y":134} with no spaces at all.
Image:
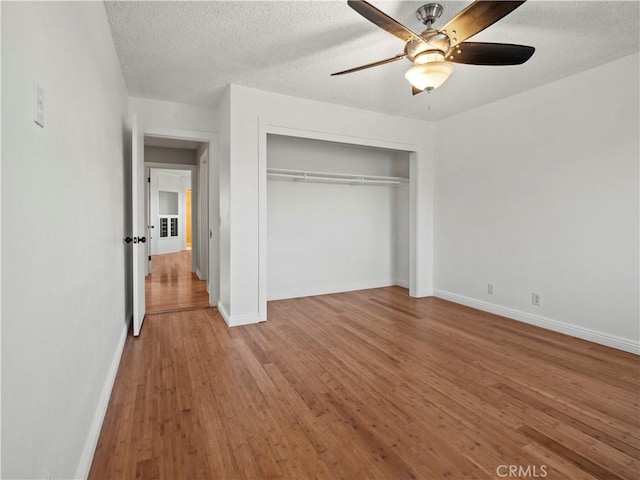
{"x":368,"y":385}
{"x":172,"y":286}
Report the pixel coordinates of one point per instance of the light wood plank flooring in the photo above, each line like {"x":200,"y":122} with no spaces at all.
{"x":368,"y":385}
{"x":172,"y":286}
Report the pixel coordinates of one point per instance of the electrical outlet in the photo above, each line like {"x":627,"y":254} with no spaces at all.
{"x":535,"y":299}
{"x":490,"y":288}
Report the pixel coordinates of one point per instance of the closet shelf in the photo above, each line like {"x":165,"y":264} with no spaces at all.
{"x":326,"y":177}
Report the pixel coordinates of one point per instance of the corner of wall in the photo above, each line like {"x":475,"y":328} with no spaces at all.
{"x":236,"y":320}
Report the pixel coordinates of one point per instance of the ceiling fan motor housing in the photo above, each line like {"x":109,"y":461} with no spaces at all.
{"x":435,"y":41}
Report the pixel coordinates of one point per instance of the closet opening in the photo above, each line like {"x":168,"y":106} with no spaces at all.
{"x":337,"y":217}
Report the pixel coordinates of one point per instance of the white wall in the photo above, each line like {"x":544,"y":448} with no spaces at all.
{"x":539,"y":192}
{"x":326,"y":238}
{"x":251,"y":112}
{"x":172,"y":115}
{"x":400,"y":220}
{"x":224,"y":171}
{"x":64,"y":312}
{"x":176,"y":156}
{"x":202,"y":160}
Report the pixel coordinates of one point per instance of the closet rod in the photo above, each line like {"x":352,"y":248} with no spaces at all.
{"x":352,"y":179}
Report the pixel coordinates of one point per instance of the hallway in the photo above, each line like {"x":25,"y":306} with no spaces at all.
{"x":172,"y":286}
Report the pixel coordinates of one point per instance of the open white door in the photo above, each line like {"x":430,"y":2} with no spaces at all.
{"x":148,"y":217}
{"x":139,"y":227}
{"x":214,"y":227}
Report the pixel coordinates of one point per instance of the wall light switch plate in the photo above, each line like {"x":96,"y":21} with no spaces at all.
{"x":535,"y":298}
{"x":38,"y":104}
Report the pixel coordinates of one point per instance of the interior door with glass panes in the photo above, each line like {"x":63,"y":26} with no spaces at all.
{"x":169,"y":239}
{"x":166,"y":211}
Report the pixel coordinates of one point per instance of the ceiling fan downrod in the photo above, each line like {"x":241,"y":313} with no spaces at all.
{"x":429,"y":13}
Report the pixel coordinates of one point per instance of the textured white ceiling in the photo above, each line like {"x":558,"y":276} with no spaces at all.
{"x":189,"y":51}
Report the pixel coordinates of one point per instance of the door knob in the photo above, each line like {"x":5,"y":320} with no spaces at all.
{"x":135,"y":240}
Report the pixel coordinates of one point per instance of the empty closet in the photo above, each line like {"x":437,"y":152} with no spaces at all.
{"x":337,"y":217}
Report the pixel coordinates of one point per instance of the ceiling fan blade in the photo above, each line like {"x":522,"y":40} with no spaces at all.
{"x":477,"y":53}
{"x":400,"y":56}
{"x":415,"y":91}
{"x":476,"y":17}
{"x":383,"y":20}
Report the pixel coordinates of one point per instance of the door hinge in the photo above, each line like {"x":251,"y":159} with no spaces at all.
{"x":149,"y":257}
{"x":148,"y":179}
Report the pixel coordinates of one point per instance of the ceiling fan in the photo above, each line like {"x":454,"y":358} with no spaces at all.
{"x":432,"y":52}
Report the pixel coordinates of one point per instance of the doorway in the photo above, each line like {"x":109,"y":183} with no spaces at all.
{"x":189,"y":228}
{"x":176,"y":209}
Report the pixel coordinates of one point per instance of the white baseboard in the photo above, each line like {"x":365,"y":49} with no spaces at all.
{"x":237,"y":320}
{"x":247,"y":319}
{"x":401,"y":283}
{"x":614,"y":341}
{"x":223,"y":311}
{"x":326,"y":290}
{"x":98,"y":418}
{"x":425,"y":293}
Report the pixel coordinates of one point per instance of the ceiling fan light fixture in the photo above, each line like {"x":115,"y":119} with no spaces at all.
{"x":429,"y":76}
{"x":428,"y":57}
